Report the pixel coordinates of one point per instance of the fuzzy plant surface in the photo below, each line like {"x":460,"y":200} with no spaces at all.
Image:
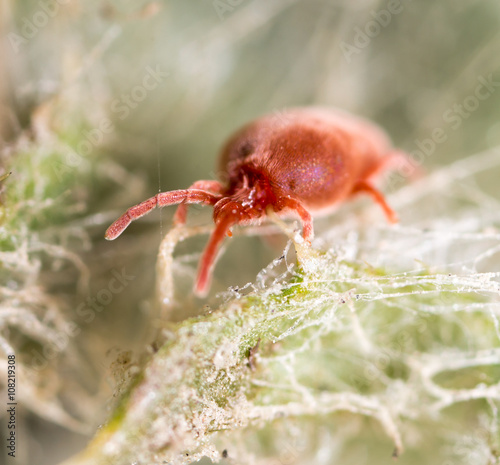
{"x":39,"y":266}
{"x":378,"y":341}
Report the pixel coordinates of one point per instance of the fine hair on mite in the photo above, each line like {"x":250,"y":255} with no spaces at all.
{"x":300,"y":162}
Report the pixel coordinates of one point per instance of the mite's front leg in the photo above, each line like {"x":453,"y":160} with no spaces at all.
{"x":215,"y":187}
{"x":159,"y":200}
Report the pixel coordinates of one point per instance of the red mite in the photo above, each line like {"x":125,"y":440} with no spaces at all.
{"x":298,"y":162}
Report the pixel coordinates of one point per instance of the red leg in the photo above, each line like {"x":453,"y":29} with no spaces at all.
{"x":214,"y":187}
{"x":364,"y":186}
{"x":300,"y":210}
{"x":160,"y":200}
{"x":207,"y":261}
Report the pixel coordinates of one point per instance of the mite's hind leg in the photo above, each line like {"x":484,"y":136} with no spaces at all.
{"x":364,"y":186}
{"x":215,"y":187}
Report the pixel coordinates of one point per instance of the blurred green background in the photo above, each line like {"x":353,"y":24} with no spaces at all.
{"x":105,"y":103}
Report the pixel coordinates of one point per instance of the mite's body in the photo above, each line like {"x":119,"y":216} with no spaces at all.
{"x":297,"y":162}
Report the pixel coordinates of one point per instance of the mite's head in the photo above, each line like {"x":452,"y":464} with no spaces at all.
{"x":247,"y":197}
{"x":245,"y":206}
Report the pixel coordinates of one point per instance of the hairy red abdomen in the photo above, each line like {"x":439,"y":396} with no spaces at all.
{"x":316,"y":155}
